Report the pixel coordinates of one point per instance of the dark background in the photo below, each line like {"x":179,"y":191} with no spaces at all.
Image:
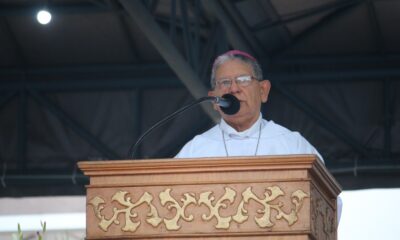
{"x":85,"y":86}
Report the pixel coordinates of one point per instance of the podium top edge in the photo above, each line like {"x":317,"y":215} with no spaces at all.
{"x":267,"y":159}
{"x":218,"y":164}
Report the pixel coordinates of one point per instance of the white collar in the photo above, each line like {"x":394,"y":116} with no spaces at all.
{"x":251,"y":132}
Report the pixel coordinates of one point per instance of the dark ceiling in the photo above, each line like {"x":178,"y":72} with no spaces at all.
{"x":85,"y":86}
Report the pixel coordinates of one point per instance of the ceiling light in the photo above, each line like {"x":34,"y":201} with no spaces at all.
{"x":43,"y":17}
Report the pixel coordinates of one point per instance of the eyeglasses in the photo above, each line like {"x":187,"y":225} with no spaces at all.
{"x":242,"y":80}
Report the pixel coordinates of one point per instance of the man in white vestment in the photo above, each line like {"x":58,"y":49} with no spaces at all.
{"x":245,"y":133}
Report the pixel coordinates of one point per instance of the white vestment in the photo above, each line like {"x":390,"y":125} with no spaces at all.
{"x":273,"y":140}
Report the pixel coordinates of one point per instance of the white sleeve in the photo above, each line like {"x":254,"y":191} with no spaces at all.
{"x":185,"y":152}
{"x":304,"y":147}
{"x":339,"y":208}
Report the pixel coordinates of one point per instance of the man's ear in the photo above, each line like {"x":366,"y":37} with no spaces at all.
{"x":211,"y":93}
{"x":265,"y":87}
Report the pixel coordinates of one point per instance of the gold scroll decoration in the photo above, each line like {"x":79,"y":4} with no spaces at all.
{"x":206,"y":198}
{"x":165,"y":197}
{"x":222,"y":222}
{"x":130,"y":226}
{"x":270,"y":194}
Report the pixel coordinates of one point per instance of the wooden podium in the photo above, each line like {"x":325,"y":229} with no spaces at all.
{"x":270,"y":197}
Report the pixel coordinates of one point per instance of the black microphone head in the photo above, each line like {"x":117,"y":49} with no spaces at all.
{"x":234,"y":105}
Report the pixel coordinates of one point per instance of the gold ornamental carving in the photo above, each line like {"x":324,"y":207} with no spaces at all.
{"x":206,"y":199}
{"x":120,"y":197}
{"x":166,"y":199}
{"x":270,"y":195}
{"x":269,"y":202}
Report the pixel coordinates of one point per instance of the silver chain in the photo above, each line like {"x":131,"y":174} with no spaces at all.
{"x":258,"y":140}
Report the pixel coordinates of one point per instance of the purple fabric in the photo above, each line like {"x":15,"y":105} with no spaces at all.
{"x":237,"y":52}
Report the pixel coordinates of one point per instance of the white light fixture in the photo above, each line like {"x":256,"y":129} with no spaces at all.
{"x":43,"y":17}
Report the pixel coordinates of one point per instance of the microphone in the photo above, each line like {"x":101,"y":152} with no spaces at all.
{"x":228,"y":103}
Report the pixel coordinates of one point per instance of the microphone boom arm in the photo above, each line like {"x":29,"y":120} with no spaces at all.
{"x":133,"y":149}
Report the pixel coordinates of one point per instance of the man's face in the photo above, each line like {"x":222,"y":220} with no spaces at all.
{"x":250,"y":96}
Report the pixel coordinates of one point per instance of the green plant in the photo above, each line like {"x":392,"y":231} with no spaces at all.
{"x":20,"y":235}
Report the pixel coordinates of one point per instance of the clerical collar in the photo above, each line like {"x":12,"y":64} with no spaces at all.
{"x":252,"y":132}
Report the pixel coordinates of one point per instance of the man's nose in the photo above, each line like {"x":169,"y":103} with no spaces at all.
{"x":234,"y":87}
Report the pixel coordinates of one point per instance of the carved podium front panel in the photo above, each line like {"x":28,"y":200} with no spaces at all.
{"x":280,"y":197}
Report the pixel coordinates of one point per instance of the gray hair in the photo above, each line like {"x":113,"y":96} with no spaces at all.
{"x":257,"y":71}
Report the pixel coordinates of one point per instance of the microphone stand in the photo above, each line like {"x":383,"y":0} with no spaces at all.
{"x":133,"y":149}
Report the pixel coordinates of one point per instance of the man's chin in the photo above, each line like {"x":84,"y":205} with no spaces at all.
{"x":237,"y":115}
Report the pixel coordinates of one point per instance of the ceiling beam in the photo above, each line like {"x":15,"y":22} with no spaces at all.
{"x":145,"y":21}
{"x":244,"y":28}
{"x":337,"y":75}
{"x":125,"y":30}
{"x":104,"y":69}
{"x":209,"y":50}
{"x":376,"y":29}
{"x":16,"y":45}
{"x":74,"y":125}
{"x":22,"y":130}
{"x":322,"y":121}
{"x":327,"y":19}
{"x":126,"y":78}
{"x":232,"y":32}
{"x":388,"y":115}
{"x":285,"y":19}
{"x":282,"y":32}
{"x":6,"y":97}
{"x":347,"y":60}
{"x":91,"y":84}
{"x":190,"y":48}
